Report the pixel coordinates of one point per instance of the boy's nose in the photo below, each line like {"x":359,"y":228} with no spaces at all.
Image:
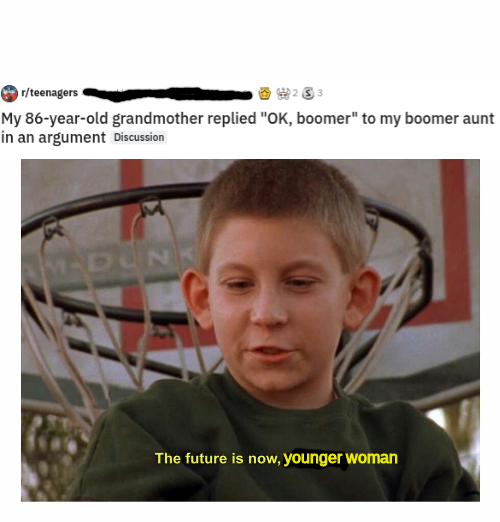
{"x":268,"y":309}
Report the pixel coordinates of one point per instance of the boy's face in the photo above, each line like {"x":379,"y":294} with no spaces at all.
{"x":277,"y":299}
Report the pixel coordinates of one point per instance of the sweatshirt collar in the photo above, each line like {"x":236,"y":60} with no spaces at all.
{"x":252,"y":406}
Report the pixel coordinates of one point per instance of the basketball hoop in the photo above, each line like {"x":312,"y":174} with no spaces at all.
{"x":410,"y":289}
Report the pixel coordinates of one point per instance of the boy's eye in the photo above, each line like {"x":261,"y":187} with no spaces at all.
{"x":238,"y":285}
{"x":300,"y":283}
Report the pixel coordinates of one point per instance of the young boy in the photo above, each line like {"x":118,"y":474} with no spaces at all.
{"x":280,"y":273}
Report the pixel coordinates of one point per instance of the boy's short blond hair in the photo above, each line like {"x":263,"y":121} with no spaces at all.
{"x":310,"y":189}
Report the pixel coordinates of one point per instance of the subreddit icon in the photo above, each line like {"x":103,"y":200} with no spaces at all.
{"x":9,"y":93}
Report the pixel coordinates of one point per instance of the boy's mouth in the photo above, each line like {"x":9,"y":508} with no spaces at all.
{"x":270,"y":353}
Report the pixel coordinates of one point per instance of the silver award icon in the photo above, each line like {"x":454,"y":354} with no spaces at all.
{"x":308,"y":93}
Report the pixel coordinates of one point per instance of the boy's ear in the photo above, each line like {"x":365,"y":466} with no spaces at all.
{"x":194,"y":286}
{"x":365,"y":288}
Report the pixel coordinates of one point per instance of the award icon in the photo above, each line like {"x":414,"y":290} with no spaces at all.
{"x":283,"y":93}
{"x":308,"y":93}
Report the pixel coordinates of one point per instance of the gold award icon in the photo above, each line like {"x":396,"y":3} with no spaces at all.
{"x":264,"y":93}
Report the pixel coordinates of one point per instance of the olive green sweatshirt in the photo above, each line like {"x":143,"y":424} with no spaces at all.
{"x":210,"y":440}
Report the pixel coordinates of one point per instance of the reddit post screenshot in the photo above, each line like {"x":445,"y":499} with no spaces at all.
{"x":259,"y":283}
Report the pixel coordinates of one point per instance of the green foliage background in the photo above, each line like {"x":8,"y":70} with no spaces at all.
{"x":51,"y":451}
